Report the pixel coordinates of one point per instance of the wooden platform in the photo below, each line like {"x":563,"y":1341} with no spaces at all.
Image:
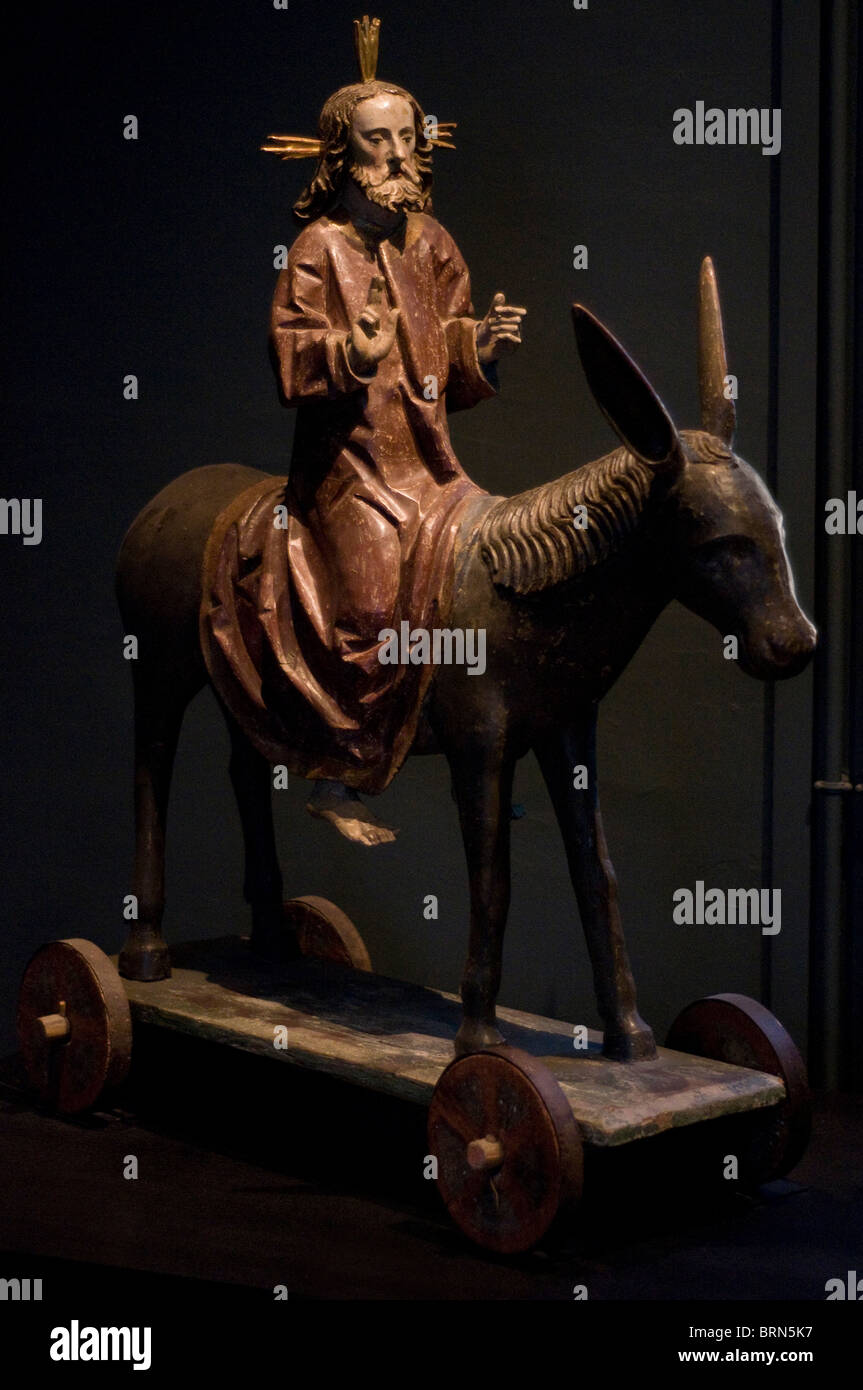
{"x":397,"y":1038}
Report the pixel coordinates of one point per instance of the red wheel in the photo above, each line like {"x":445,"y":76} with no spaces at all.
{"x":74,"y":1024}
{"x":325,"y":932}
{"x":507,"y":1146}
{"x":733,"y":1028}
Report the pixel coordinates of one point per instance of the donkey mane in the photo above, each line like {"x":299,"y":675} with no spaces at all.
{"x":530,"y":542}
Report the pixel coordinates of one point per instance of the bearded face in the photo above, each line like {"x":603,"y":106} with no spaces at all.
{"x":396,"y":191}
{"x":381,"y":148}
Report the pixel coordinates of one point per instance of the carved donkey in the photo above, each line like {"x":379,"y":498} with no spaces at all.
{"x":669,"y":515}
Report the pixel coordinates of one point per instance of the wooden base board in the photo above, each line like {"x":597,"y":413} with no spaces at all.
{"x":397,"y":1038}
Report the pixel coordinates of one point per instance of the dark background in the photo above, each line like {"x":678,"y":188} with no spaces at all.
{"x":155,"y":257}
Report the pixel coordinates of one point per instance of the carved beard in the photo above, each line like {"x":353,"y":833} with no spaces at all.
{"x":403,"y":190}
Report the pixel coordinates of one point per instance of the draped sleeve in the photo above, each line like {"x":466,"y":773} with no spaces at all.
{"x":468,"y":383}
{"x":310,"y":351}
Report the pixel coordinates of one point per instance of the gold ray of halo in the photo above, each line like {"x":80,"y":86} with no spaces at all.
{"x":367,"y":41}
{"x":367,"y":37}
{"x":309,"y":146}
{"x":443,"y":140}
{"x":294,"y":146}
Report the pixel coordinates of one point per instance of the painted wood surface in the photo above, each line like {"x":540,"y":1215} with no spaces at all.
{"x":397,"y":1038}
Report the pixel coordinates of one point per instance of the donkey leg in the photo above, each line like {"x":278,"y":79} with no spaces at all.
{"x":627,"y":1037}
{"x":483,"y":790}
{"x":251,"y":778}
{"x":159,"y":710}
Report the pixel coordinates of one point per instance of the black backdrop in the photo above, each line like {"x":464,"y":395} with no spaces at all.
{"x":155,"y":257}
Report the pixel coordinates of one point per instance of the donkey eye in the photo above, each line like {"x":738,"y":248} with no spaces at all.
{"x":715,"y":547}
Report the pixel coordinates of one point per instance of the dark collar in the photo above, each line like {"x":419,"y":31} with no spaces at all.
{"x":368,"y":237}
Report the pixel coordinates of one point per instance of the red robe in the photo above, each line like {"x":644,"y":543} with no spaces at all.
{"x":292,"y":616}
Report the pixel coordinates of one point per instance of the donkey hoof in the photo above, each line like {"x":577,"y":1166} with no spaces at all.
{"x":636,"y":1044}
{"x":474,"y":1037}
{"x":146,"y":962}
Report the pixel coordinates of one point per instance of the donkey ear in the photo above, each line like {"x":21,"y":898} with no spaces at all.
{"x":624,"y":395}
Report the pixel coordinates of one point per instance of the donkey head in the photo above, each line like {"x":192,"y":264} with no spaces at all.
{"x":723,"y":532}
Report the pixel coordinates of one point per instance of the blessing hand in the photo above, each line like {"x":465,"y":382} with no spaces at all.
{"x":374,"y":331}
{"x":500,"y":330}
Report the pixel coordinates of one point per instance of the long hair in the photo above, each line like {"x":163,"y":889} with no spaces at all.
{"x":334,"y":129}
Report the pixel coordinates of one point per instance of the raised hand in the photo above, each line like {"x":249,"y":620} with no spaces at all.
{"x":374,"y":332}
{"x":500,"y":330}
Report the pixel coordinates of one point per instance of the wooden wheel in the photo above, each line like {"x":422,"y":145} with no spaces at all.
{"x":733,"y":1028}
{"x":74,"y":1024}
{"x":508,"y":1149}
{"x":325,"y":932}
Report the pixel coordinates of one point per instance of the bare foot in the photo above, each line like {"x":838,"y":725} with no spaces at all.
{"x":342,"y":807}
